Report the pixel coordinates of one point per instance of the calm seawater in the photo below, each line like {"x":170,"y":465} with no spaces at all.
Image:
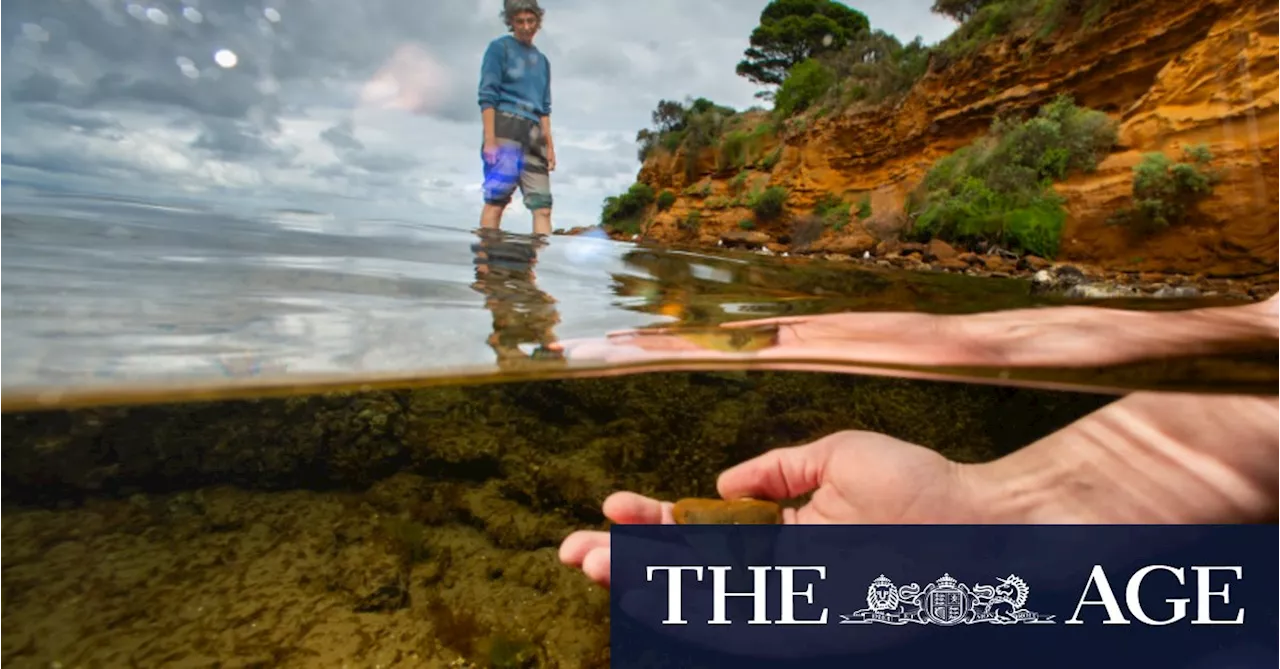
{"x":105,"y":294}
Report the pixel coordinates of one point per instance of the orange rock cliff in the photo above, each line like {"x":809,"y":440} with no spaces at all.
{"x":1171,"y":74}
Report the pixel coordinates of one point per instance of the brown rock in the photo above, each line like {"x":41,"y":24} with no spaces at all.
{"x":749,"y":238}
{"x":939,"y":250}
{"x":912,"y":248}
{"x":887,"y":247}
{"x":1000,"y":264}
{"x":953,"y":264}
{"x":1034,"y":263}
{"x":854,"y":244}
{"x":698,"y":511}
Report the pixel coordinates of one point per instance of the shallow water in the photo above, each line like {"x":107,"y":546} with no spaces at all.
{"x":109,"y":301}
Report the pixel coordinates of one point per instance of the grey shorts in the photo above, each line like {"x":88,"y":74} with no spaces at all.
{"x":522,"y":163}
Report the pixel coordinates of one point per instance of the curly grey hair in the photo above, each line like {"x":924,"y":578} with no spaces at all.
{"x":513,"y":7}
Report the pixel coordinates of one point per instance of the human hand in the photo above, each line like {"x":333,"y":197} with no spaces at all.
{"x":551,"y":158}
{"x":1074,"y":336}
{"x":490,"y":150}
{"x":855,"y":477}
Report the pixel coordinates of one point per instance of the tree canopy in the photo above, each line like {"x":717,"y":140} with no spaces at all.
{"x":960,"y":10}
{"x":792,"y":31}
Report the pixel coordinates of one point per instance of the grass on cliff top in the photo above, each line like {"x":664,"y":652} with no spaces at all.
{"x":999,"y":188}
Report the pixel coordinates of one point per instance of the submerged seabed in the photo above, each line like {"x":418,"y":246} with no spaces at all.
{"x":406,"y":527}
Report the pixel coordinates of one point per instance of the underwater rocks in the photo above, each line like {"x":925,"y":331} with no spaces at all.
{"x":699,"y":511}
{"x":223,"y":576}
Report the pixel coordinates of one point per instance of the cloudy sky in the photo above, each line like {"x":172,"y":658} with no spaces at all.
{"x":364,"y":107}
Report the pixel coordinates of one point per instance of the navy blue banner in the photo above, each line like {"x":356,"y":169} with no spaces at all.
{"x":892,"y":597}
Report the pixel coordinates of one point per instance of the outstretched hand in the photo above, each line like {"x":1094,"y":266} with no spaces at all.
{"x":1075,"y":336}
{"x":855,"y":478}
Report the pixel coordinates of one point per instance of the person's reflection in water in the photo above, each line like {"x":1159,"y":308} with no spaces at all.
{"x":522,"y":312}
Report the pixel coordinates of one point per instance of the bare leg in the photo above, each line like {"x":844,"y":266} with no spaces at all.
{"x":491,"y":216}
{"x":542,"y":221}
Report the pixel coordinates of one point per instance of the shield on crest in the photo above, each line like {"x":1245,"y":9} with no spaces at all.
{"x":946,"y":606}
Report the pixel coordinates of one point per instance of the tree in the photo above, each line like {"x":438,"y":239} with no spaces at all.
{"x":960,"y":10}
{"x":668,"y":116}
{"x":792,"y":31}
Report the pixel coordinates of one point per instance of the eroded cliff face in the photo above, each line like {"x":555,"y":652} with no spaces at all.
{"x":1171,"y":74}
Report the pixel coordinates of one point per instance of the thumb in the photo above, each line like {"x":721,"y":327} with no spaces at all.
{"x":781,"y":473}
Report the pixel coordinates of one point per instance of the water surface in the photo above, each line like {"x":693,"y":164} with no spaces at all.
{"x":108,"y":300}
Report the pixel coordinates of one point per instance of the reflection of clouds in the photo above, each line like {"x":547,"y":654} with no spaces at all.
{"x":183,"y":295}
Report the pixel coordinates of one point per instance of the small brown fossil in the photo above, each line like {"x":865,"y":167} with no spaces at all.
{"x":745,"y":511}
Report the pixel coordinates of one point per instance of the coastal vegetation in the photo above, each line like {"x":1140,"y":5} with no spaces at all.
{"x":998,"y":189}
{"x":815,"y":58}
{"x":1164,"y":191}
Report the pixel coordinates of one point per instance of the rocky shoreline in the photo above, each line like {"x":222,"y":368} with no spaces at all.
{"x":1071,"y":280}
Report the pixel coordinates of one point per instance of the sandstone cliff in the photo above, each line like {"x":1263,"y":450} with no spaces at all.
{"x":1171,"y":74}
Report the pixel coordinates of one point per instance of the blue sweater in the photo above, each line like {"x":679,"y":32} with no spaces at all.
{"x":515,"y":78}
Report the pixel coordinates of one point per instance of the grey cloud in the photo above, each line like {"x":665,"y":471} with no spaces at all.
{"x":231,"y":140}
{"x":94,"y":87}
{"x":65,"y":117}
{"x":596,"y":61}
{"x":382,"y":161}
{"x":342,"y":136}
{"x":354,"y":153}
{"x":37,"y":87}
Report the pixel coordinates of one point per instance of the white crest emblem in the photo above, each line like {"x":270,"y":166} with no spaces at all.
{"x":946,"y":601}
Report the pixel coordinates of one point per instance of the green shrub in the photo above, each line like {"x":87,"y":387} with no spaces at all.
{"x":998,"y":189}
{"x":831,"y":210}
{"x":625,"y":212}
{"x":665,"y":199}
{"x":864,"y":207}
{"x":772,"y":159}
{"x":808,"y":81}
{"x":769,"y":203}
{"x":1164,"y":191}
{"x":694,"y":125}
{"x":691,"y":222}
{"x":873,"y":68}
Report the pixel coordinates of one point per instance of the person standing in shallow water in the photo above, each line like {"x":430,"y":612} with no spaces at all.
{"x":515,"y":106}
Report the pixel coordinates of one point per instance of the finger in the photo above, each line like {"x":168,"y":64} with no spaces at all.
{"x":632,"y":509}
{"x":779,"y":474}
{"x":576,"y":546}
{"x":596,"y":565}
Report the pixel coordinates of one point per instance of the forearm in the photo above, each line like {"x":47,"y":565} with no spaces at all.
{"x":487,"y":117}
{"x":1148,"y":458}
{"x":545,"y":123}
{"x":1097,"y":336}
